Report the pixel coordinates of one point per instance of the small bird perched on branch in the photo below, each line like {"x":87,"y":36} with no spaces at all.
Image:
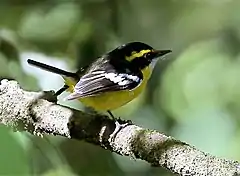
{"x":113,"y":79}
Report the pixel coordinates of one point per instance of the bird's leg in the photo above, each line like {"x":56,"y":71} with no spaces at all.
{"x":120,"y":124}
{"x":112,"y":116}
{"x":119,"y":119}
{"x":60,"y":91}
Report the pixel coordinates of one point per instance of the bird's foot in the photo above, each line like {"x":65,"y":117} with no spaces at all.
{"x":118,"y":127}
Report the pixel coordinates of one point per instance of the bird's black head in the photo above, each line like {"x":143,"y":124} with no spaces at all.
{"x":139,"y":54}
{"x":133,"y":47}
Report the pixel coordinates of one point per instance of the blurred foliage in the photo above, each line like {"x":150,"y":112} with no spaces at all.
{"x":193,"y":95}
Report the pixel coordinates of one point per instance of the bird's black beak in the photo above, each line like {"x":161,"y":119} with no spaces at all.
{"x":159,"y":53}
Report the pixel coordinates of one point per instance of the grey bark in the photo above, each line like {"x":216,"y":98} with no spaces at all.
{"x":37,"y":113}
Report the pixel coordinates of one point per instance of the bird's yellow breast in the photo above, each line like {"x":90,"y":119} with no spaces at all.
{"x":112,"y":100}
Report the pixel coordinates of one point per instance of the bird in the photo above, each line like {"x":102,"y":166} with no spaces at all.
{"x":113,"y":79}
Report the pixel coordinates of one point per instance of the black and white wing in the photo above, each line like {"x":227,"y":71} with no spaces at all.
{"x":100,"y":81}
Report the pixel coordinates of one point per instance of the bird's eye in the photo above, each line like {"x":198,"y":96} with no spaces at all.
{"x":148,"y":55}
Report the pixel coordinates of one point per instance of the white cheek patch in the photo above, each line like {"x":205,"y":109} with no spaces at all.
{"x":153,"y":63}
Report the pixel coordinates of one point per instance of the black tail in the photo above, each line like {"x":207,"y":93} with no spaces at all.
{"x":52,"y":69}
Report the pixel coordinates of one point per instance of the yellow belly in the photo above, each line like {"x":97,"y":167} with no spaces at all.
{"x":110,"y":100}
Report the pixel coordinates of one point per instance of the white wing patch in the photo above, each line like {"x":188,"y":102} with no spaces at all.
{"x":100,"y":81}
{"x":122,"y":78}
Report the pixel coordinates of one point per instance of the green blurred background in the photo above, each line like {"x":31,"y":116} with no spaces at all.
{"x":194,"y":95}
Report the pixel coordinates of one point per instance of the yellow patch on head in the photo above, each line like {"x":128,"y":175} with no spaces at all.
{"x":135,"y":54}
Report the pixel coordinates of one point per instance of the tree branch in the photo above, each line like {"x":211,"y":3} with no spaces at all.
{"x":37,"y":113}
